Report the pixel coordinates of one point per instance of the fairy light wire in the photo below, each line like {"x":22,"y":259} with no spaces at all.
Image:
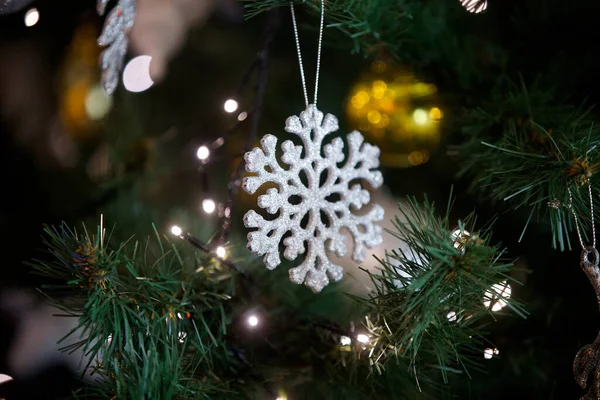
{"x":297,"y":37}
{"x":577,"y":220}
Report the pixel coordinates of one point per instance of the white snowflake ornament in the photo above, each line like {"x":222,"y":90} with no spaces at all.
{"x":314,"y":210}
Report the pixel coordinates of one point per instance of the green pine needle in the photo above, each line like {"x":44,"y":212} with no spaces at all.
{"x":428,"y":306}
{"x":529,"y":153}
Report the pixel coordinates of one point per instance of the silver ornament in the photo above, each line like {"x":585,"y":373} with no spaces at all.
{"x":114,"y":35}
{"x":313,"y":212}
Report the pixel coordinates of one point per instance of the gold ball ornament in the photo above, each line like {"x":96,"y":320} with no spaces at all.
{"x":396,"y":112}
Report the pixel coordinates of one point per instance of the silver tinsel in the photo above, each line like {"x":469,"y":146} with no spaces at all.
{"x":324,"y":217}
{"x":12,"y":6}
{"x":114,"y":35}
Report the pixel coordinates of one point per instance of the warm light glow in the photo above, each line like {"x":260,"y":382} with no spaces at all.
{"x":243,"y":115}
{"x":253,"y":320}
{"x":136,"y":75}
{"x":374,"y":116}
{"x":460,"y":238}
{"x":451,"y":316}
{"x":420,"y":116}
{"x":435,"y":113}
{"x":474,"y":6}
{"x":230,"y":105}
{"x":221,"y":252}
{"x":175,"y":230}
{"x":32,"y":17}
{"x":495,"y":296}
{"x":489,"y":353}
{"x":362,"y":338}
{"x":203,"y":153}
{"x":97,"y":103}
{"x":416,"y":158}
{"x":209,"y":206}
{"x":345,"y":341}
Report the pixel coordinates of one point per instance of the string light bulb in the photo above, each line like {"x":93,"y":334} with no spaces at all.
{"x":175,"y":230}
{"x":362,"y":338}
{"x":451,"y":316}
{"x":221,"y":252}
{"x":253,"y":320}
{"x":230,"y":105}
{"x":209,"y":206}
{"x":345,"y":341}
{"x":243,"y":115}
{"x":32,"y":16}
{"x":489,"y":353}
{"x":495,"y":297}
{"x":474,"y":6}
{"x":203,"y":153}
{"x":182,"y":336}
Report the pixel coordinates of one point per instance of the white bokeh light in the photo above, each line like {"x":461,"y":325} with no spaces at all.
{"x":175,"y":230}
{"x":494,"y":298}
{"x":420,"y":116}
{"x":230,"y":105}
{"x":253,"y":320}
{"x":203,"y":153}
{"x":32,"y":16}
{"x":243,"y":115}
{"x":182,"y":336}
{"x":345,"y":341}
{"x":221,"y":252}
{"x":209,"y":206}
{"x":97,"y":103}
{"x":136,"y":75}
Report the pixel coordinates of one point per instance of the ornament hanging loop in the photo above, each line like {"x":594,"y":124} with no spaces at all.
{"x":296,"y":36}
{"x":589,"y":257}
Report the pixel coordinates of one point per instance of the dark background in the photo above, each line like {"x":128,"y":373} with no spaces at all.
{"x":557,"y":38}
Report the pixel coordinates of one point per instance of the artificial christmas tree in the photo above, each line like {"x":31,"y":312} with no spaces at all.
{"x":181,"y":310}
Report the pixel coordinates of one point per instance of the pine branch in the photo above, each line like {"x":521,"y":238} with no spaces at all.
{"x":428,"y":304}
{"x":139,"y":312}
{"x":527,"y":151}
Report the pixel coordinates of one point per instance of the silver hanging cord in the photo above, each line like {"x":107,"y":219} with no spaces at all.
{"x":300,"y":53}
{"x":577,"y":221}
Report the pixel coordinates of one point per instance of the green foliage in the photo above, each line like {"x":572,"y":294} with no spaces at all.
{"x":138,"y":311}
{"x":524,"y":150}
{"x":155,"y":323}
{"x":428,"y":306}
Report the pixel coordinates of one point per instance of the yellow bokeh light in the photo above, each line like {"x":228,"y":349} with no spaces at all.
{"x":374,"y":116}
{"x":435,"y":113}
{"x":385,"y":121}
{"x":416,"y":158}
{"x":379,"y":88}
{"x":360,"y":99}
{"x":396,"y":112}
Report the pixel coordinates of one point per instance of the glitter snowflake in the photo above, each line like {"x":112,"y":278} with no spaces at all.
{"x":315,"y":199}
{"x":114,"y":35}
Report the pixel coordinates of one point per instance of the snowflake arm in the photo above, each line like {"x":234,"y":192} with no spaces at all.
{"x":114,"y":35}
{"x":327,"y":196}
